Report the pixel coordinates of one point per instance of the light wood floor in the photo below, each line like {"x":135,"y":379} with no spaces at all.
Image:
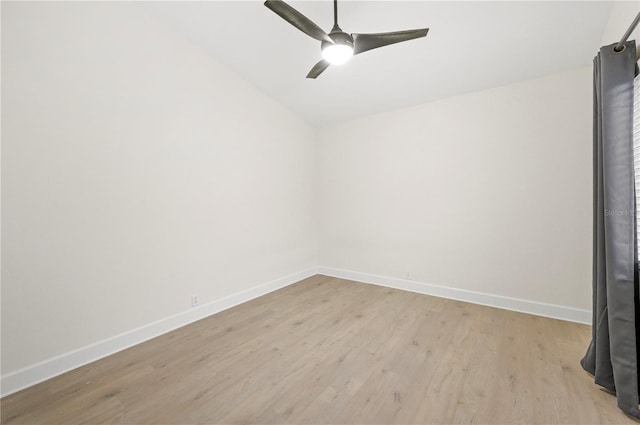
{"x":327,"y":350}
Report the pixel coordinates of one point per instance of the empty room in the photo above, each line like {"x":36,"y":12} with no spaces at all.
{"x":325,"y":212}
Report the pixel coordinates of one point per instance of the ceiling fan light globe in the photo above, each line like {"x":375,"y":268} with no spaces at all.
{"x":337,"y":54}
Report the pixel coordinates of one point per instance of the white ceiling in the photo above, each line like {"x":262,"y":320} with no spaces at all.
{"x":470,"y":46}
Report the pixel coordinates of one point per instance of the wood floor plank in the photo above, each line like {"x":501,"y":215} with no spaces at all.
{"x":326,"y":350}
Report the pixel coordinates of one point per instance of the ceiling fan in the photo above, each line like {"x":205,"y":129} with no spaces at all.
{"x":338,"y":46}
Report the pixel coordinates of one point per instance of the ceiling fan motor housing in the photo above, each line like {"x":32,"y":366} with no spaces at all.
{"x":339,"y":37}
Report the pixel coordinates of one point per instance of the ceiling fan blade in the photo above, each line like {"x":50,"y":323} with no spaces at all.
{"x":364,"y":42}
{"x":318,"y":69}
{"x":297,"y":19}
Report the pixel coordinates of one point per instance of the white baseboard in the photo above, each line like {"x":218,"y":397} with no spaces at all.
{"x":34,"y":374}
{"x":554,"y":311}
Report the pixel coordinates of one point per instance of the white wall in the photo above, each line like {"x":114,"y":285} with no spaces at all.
{"x":487,"y":192}
{"x":136,"y":171}
{"x":622,"y":14}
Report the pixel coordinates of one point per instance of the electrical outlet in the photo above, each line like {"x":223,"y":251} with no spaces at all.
{"x":194,"y":301}
{"x":408,"y":275}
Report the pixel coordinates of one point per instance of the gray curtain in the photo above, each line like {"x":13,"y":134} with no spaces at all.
{"x":612,"y":356}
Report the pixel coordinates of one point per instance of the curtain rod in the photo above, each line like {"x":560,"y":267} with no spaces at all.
{"x":626,"y":35}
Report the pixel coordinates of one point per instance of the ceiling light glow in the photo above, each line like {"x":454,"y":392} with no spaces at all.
{"x":337,"y":54}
